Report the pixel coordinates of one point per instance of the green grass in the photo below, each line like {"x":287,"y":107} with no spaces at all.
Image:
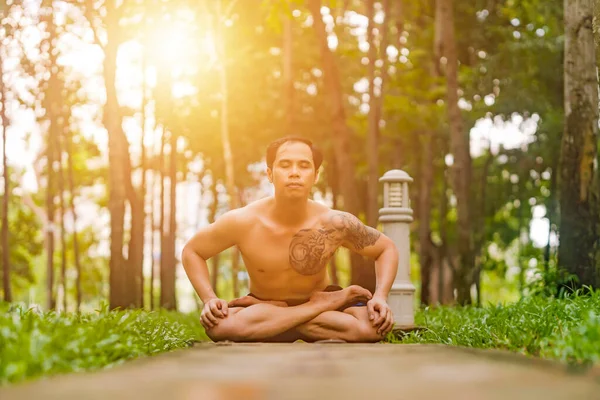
{"x":36,"y":344}
{"x":567,"y":330}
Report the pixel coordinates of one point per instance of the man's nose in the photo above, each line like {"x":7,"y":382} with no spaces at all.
{"x":294,"y":170}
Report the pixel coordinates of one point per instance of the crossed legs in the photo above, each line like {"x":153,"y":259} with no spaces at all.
{"x":314,"y":320}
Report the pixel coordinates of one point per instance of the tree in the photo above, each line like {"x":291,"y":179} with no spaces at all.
{"x":579,"y":248}
{"x":230,"y":182}
{"x":373,"y":122}
{"x":124,"y":272}
{"x":62,"y":213}
{"x":168,"y":264}
{"x":52,"y":105}
{"x":459,"y":147}
{"x":71,"y":184}
{"x":5,"y":173}
{"x":288,"y":74}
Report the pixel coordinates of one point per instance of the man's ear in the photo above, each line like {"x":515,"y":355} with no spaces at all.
{"x":270,"y":174}
{"x":317,"y":174}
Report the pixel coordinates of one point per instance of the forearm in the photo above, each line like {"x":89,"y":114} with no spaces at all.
{"x":197,"y":271}
{"x":386,"y":267}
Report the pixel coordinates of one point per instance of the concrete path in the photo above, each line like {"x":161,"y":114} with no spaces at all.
{"x":320,"y":371}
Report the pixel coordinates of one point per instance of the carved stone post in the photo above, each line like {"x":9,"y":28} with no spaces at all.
{"x":396,"y":216}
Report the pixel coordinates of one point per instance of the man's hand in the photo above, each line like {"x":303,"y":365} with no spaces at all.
{"x":380,"y":315}
{"x":211,"y":312}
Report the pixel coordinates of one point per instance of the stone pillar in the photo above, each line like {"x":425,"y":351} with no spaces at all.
{"x":396,"y":216}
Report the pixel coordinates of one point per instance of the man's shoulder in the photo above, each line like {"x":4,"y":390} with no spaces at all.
{"x":246,"y":214}
{"x":337,"y":218}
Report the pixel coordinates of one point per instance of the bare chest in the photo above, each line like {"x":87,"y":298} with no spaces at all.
{"x":303,"y":252}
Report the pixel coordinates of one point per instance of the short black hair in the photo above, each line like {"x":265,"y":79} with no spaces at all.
{"x":274,"y":146}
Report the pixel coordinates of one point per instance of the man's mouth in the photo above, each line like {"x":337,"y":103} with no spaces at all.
{"x":294,"y":185}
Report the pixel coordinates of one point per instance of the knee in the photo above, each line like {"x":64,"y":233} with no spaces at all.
{"x":366,"y":333}
{"x":224,"y":330}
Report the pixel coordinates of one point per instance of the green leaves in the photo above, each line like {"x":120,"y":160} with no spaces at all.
{"x":566,"y":329}
{"x":37,"y":344}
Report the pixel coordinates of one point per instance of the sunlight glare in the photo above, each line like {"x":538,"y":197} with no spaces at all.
{"x":173,"y":45}
{"x":170,"y":47}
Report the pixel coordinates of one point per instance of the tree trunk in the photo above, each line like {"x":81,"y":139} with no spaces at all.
{"x":579,"y":246}
{"x":144,"y":167}
{"x":399,"y":20}
{"x":384,"y":66}
{"x":446,"y":294}
{"x":288,"y":76}
{"x":521,"y":227}
{"x":138,"y":207}
{"x":62,"y":212}
{"x":52,"y":106}
{"x":551,"y":211}
{"x":135,"y":256}
{"x":333,"y":184}
{"x":480,"y":232}
{"x":143,"y":185}
{"x":361,"y":275}
{"x":168,"y":299}
{"x":459,"y":147}
{"x":161,"y":228}
{"x":424,"y":211}
{"x":227,"y":154}
{"x":6,"y":175}
{"x":69,"y":150}
{"x":373,"y":123}
{"x":121,"y":292}
{"x":155,"y":245}
{"x":399,"y":159}
{"x":163,"y":85}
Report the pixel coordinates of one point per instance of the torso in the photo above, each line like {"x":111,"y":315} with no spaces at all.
{"x":288,"y":262}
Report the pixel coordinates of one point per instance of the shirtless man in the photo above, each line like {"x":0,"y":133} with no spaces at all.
{"x":286,"y":242}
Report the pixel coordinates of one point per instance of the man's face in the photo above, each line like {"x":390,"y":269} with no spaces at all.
{"x":293,"y":173}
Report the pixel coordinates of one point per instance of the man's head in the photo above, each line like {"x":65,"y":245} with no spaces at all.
{"x":292,"y":166}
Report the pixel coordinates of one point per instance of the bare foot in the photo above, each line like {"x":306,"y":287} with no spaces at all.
{"x":248,"y":301}
{"x":334,"y":300}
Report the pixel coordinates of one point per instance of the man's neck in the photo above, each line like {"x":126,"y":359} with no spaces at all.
{"x":290,"y":212}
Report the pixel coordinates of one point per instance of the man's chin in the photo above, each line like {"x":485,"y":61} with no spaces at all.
{"x":295,"y":195}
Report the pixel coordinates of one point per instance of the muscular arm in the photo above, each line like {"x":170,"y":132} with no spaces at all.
{"x":371,"y":243}
{"x":207,"y":242}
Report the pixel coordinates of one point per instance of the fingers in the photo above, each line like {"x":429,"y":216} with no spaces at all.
{"x":388,"y":324}
{"x":210,"y":317}
{"x":371,"y":311}
{"x":215,"y":309}
{"x":380,"y":328}
{"x":206,"y":322}
{"x":381,"y":315}
{"x":224,"y":308}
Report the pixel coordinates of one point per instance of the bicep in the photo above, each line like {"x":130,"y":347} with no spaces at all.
{"x":361,"y":238}
{"x":214,"y":238}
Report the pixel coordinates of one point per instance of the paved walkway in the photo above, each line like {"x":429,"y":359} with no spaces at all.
{"x":320,"y":371}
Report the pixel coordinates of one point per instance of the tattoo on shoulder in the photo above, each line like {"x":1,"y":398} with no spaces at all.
{"x":311,"y":249}
{"x":354,"y":231}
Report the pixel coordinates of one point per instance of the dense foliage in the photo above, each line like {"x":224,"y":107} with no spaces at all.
{"x":565,"y":329}
{"x":34,"y":344}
